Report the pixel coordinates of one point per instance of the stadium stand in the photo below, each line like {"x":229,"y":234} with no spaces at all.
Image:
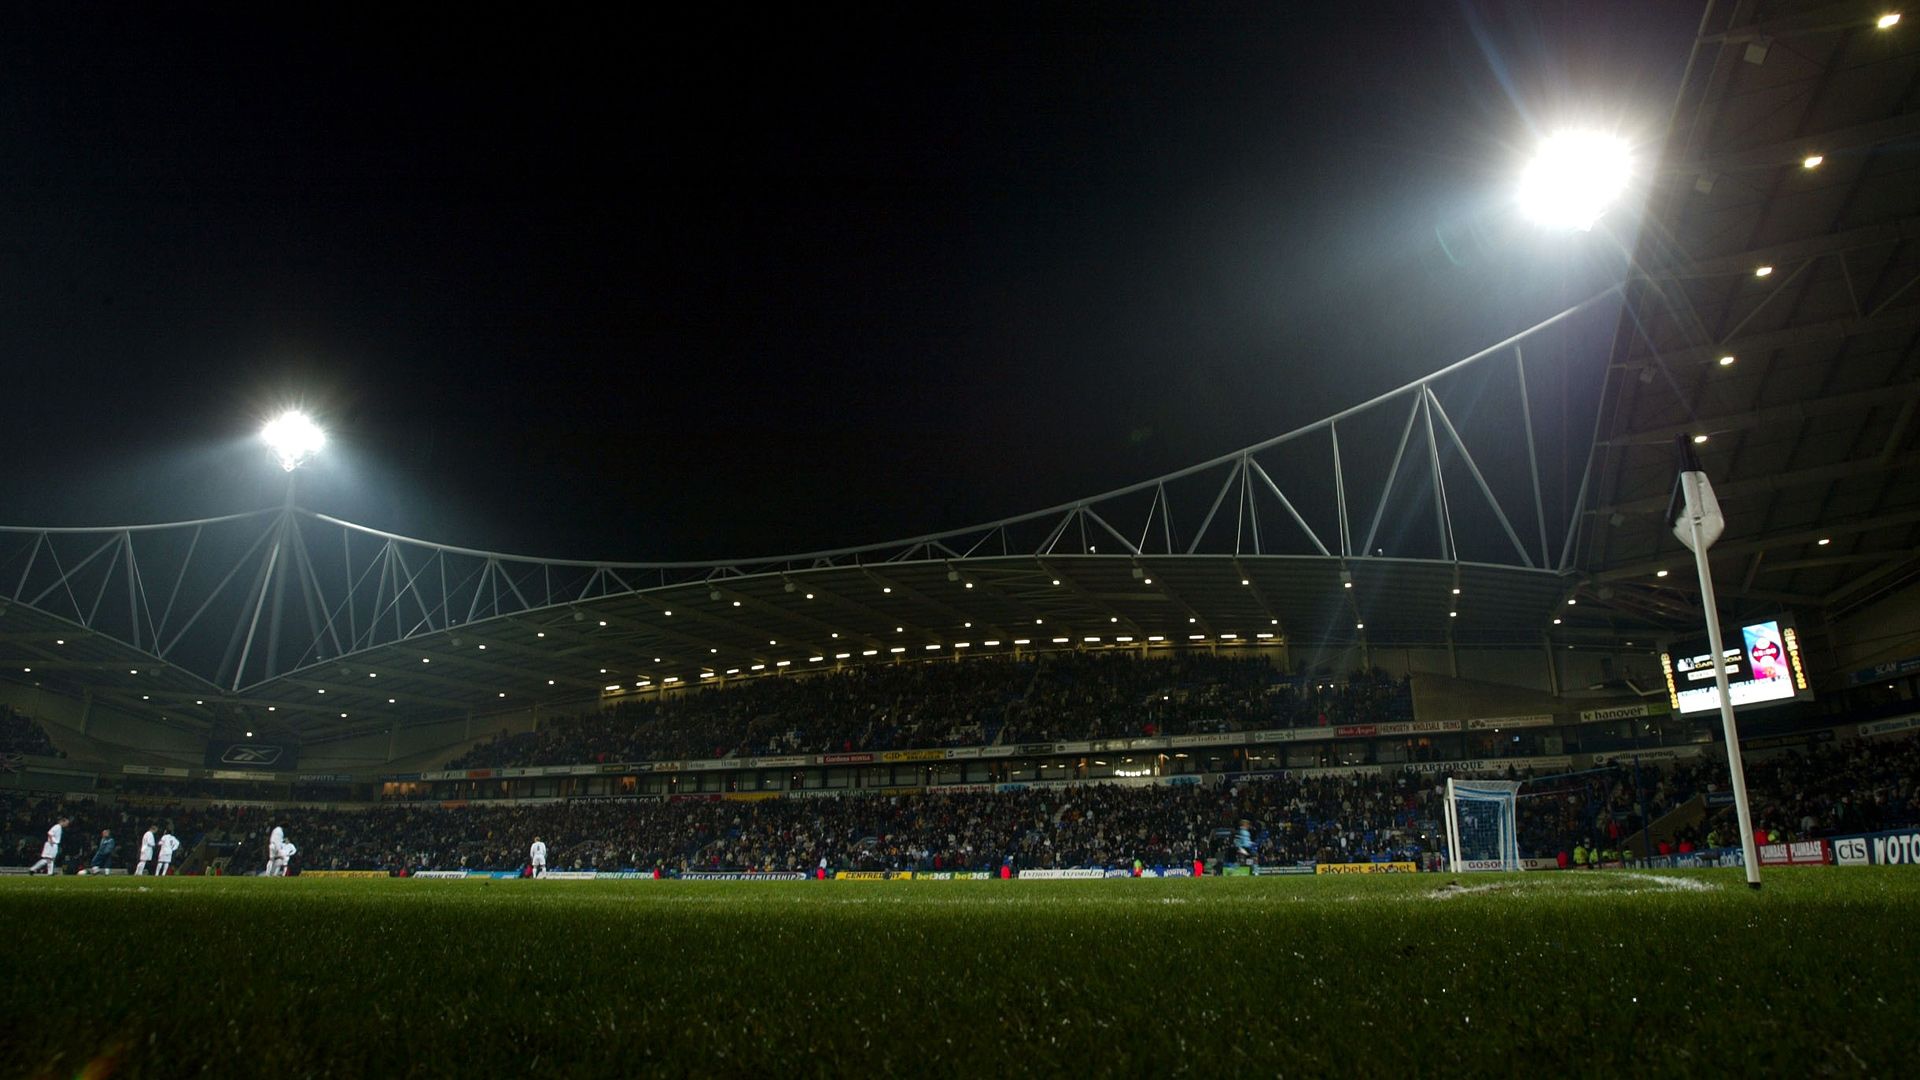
{"x":19,"y":734}
{"x":1292,"y":818}
{"x":982,"y":702}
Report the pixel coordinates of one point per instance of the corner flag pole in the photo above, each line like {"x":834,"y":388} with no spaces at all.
{"x":1703,"y":525}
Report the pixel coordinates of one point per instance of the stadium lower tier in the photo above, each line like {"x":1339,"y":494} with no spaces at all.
{"x":1273,"y":818}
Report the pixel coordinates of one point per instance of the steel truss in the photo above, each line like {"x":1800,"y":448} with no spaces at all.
{"x":241,"y":600}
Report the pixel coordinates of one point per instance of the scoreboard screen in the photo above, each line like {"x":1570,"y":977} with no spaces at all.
{"x":1762,"y":662}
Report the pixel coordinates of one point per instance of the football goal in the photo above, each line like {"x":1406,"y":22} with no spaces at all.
{"x":1481,"y":825}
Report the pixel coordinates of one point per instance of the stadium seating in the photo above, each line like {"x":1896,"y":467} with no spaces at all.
{"x":21,"y":735}
{"x":1292,"y":819}
{"x":1060,"y":696}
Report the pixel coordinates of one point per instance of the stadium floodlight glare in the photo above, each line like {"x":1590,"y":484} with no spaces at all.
{"x":1574,"y":178}
{"x":1811,"y":161}
{"x":294,"y":438}
{"x":1888,"y":21}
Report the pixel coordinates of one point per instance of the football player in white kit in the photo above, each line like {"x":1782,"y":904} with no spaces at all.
{"x":147,"y":840}
{"x":287,"y":852}
{"x":276,"y":855}
{"x":50,"y":851}
{"x":169,"y":844}
{"x":537,"y":855}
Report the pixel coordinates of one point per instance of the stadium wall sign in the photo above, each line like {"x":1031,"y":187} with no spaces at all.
{"x":1551,"y":761}
{"x":1421,"y":727}
{"x":952,"y":875}
{"x":1658,"y":753}
{"x":440,"y":875}
{"x":1622,"y":712}
{"x":254,"y":754}
{"x":1896,"y":849}
{"x":1797,"y":853}
{"x":1062,"y":875}
{"x":1882,"y":672}
{"x":1900,"y":847}
{"x":742,"y":875}
{"x":1366,"y":868}
{"x":1284,"y":735}
{"x":1327,"y":771}
{"x":154,"y":770}
{"x":625,"y":875}
{"x":1275,"y":871}
{"x":873,"y":875}
{"x":345,"y":873}
{"x":1499,"y":723}
{"x":567,"y":875}
{"x":1882,"y":727}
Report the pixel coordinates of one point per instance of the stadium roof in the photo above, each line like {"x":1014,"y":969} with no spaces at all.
{"x":1785,"y":235}
{"x":1356,"y":528}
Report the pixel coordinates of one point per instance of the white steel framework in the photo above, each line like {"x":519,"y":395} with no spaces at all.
{"x":243,"y":600}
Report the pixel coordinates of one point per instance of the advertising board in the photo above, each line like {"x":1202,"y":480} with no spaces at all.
{"x":1061,"y":875}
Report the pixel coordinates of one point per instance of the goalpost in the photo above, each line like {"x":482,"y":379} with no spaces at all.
{"x":1482,"y":831}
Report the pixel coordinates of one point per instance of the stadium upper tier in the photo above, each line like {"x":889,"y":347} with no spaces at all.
{"x":1420,"y":517}
{"x":980,"y":703}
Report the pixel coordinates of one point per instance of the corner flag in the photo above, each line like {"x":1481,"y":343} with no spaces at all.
{"x":1693,"y":497}
{"x":1697,"y":524}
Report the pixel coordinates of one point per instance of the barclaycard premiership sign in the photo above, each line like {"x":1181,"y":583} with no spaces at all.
{"x":253,"y":754}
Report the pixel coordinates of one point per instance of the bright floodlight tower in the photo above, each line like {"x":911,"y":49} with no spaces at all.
{"x":294,"y":438}
{"x":1574,"y":178}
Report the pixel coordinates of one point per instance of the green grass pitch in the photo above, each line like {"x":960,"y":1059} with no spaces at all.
{"x":1592,"y":974}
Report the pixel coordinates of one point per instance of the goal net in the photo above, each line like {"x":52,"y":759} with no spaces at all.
{"x":1481,"y":828}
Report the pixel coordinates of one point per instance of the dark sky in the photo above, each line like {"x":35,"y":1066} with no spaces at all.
{"x":658,"y":289}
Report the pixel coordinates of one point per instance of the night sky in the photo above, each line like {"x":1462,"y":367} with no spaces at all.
{"x":667,"y":289}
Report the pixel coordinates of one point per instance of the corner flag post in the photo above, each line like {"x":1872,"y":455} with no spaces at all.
{"x":1703,"y":525}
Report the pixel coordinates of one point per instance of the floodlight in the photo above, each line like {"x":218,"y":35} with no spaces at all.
{"x":293,"y":437}
{"x":1574,"y":178}
{"x":1888,"y":21}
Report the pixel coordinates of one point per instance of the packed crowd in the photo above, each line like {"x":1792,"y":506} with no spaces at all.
{"x":1854,"y":787}
{"x":1273,"y":819}
{"x":24,"y":819}
{"x":1039,"y":827}
{"x":1064,"y":826}
{"x":21,"y":735}
{"x":896,"y":706}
